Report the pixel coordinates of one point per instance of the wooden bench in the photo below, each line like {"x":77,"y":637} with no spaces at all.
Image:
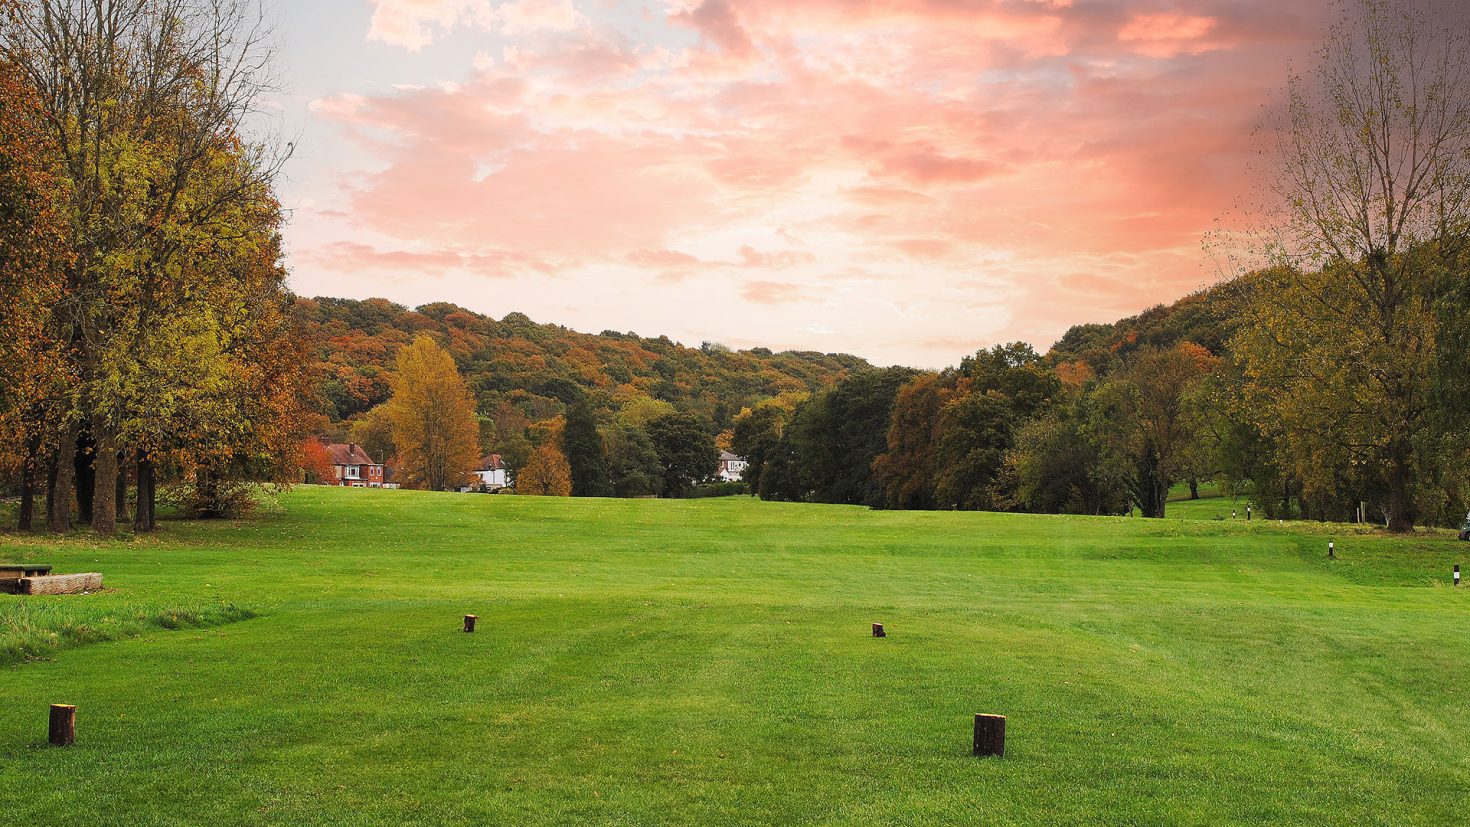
{"x":11,"y":575}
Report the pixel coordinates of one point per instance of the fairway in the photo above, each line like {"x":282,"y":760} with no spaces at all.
{"x":710,"y":662}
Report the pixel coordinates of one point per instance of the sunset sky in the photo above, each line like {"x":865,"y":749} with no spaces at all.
{"x":904,"y":180}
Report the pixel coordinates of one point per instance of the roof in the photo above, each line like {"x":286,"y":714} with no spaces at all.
{"x":349,"y":454}
{"x":726,"y":456}
{"x":491,"y":462}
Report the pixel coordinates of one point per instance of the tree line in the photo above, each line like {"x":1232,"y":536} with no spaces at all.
{"x":1333,"y":373}
{"x":432,"y":431}
{"x":147,"y":331}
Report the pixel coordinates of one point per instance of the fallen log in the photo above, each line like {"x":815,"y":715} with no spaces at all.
{"x":61,"y":583}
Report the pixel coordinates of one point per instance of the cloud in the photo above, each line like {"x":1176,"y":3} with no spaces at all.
{"x":414,"y":24}
{"x":1066,"y":156}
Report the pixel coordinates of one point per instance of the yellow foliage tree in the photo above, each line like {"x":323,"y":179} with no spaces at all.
{"x":547,"y":474}
{"x":433,"y":417}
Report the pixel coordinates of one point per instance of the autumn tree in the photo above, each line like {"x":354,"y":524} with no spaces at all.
{"x":907,"y":468}
{"x":1356,"y":328}
{"x":144,"y":104}
{"x":32,"y":256}
{"x":546,"y":474}
{"x":374,"y":432}
{"x":433,"y":416}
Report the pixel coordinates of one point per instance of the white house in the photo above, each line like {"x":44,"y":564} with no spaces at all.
{"x":732,"y":468}
{"x":492,"y":473}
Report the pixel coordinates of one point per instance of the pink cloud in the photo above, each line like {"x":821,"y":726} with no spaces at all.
{"x":772,"y":292}
{"x":1065,"y":156}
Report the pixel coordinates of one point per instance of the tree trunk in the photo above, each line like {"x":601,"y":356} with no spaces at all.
{"x":28,"y":484}
{"x":1193,"y":488}
{"x":104,"y":481}
{"x":1401,"y":512}
{"x":206,"y":487}
{"x":84,"y":475}
{"x":58,"y":501}
{"x":143,"y":511}
{"x":121,"y":507}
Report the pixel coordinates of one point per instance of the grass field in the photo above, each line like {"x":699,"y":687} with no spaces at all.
{"x":709,"y":662}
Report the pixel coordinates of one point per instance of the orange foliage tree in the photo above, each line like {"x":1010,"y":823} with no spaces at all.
{"x":547,"y":473}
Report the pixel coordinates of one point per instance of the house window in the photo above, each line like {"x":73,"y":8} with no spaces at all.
{"x":352,"y":473}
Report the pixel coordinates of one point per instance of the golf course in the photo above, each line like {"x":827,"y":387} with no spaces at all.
{"x":711,"y":662}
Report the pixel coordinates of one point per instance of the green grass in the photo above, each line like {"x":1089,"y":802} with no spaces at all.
{"x":709,"y":662}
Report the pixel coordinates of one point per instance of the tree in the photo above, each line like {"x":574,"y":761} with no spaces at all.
{"x":907,"y":469}
{"x":316,"y":464}
{"x":546,"y":474}
{"x":838,"y":434}
{"x":584,"y":451}
{"x":632,"y":462}
{"x":1145,"y":419}
{"x":373,"y":430}
{"x":1352,"y":326}
{"x":686,"y":451}
{"x":144,"y":105}
{"x":433,"y":417}
{"x":32,"y":255}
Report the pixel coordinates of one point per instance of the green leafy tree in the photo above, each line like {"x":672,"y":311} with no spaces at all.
{"x":686,"y":451}
{"x":584,"y":451}
{"x":632,"y":462}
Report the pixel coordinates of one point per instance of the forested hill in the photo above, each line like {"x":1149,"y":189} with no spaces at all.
{"x":1206,"y":318}
{"x":518,"y":368}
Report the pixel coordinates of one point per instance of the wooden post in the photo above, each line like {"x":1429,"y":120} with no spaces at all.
{"x":63,"y":725}
{"x":1331,"y":551}
{"x":990,"y":735}
{"x":469,"y":622}
{"x":1457,"y":575}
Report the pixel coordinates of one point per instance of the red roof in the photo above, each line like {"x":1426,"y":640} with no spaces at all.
{"x":349,"y":454}
{"x":490,"y":462}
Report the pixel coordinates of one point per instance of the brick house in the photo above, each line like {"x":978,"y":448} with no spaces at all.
{"x":351,"y":466}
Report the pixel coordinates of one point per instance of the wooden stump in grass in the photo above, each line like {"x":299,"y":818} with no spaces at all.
{"x":469,"y":622}
{"x":63,"y":725}
{"x":878,"y":630}
{"x":990,"y":735}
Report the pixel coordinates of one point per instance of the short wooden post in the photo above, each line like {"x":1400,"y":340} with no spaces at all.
{"x":1457,"y":575}
{"x":1331,"y":551}
{"x":878,"y":630}
{"x":469,"y":622}
{"x":990,"y":735}
{"x":63,"y":725}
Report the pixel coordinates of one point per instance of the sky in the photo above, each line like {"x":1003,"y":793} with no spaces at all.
{"x":906,"y":180}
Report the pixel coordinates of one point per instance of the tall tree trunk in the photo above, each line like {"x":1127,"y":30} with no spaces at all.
{"x":63,"y":466}
{"x":1193,"y":488}
{"x":143,"y":511}
{"x":121,"y":506}
{"x":28,"y":484}
{"x":104,"y":468}
{"x":84,"y":475}
{"x":206,"y":487}
{"x":1401,"y":511}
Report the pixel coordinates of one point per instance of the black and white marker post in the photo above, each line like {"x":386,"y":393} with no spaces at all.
{"x":1457,"y":575}
{"x":1331,"y":551}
